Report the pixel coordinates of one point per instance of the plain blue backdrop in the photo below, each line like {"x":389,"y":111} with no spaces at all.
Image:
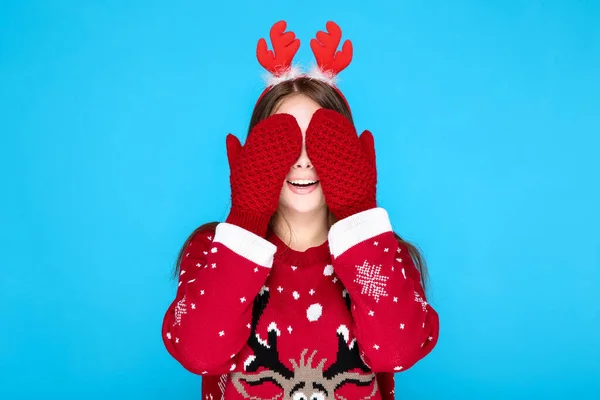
{"x":486,"y":117}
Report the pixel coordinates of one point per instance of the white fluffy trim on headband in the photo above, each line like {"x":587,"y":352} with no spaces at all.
{"x":325,"y":76}
{"x":292,"y":73}
{"x":296,"y":72}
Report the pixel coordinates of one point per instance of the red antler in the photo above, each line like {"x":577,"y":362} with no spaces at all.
{"x":325,"y":45}
{"x":285,"y":46}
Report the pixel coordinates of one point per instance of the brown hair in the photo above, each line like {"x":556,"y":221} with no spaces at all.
{"x":324,"y":95}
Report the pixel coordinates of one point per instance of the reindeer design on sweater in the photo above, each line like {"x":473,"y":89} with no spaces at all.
{"x":304,"y":381}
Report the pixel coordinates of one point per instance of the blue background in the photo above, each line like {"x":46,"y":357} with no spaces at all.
{"x":486,"y":118}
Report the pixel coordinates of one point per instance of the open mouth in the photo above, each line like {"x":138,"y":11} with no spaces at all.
{"x":302,"y":183}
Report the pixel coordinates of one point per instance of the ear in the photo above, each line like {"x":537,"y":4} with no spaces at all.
{"x":368,"y":146}
{"x":233,"y":150}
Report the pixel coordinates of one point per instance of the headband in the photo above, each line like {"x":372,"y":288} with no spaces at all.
{"x":329,"y":61}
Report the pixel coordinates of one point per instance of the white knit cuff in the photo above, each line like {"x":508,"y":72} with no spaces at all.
{"x":245,"y":243}
{"x":357,"y":228}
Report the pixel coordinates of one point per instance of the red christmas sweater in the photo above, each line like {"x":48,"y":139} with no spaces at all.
{"x":276,"y":323}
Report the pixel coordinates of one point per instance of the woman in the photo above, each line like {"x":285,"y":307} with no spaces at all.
{"x":305,"y":291}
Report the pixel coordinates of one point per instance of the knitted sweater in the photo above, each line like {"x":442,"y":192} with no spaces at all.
{"x":274,"y":321}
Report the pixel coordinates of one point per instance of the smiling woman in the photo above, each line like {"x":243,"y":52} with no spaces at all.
{"x":302,"y":179}
{"x":305,"y":249}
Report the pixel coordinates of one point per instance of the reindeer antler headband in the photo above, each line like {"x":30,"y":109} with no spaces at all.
{"x":329,"y":61}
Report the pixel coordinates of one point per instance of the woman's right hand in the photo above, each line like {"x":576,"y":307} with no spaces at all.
{"x":258,"y":170}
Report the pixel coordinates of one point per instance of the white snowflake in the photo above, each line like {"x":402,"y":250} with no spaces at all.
{"x":280,"y":289}
{"x":289,"y":328}
{"x":296,"y":295}
{"x":373,"y":283}
{"x":328,"y":271}
{"x":213,"y":250}
{"x":242,"y":300}
{"x":311,"y":291}
{"x":180,"y":310}
{"x":222,"y":333}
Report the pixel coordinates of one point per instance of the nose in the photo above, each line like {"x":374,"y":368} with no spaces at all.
{"x":303,"y":161}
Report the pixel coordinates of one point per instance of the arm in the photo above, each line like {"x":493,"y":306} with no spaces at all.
{"x":208,"y":322}
{"x":394,"y":325}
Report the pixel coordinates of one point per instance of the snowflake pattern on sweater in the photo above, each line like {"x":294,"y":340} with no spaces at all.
{"x":278,"y":323}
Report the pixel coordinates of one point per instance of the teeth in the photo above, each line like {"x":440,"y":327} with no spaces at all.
{"x":302,"y":182}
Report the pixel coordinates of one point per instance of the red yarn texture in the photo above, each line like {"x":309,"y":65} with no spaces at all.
{"x":344,"y":162}
{"x":258,"y":170}
{"x":294,"y":323}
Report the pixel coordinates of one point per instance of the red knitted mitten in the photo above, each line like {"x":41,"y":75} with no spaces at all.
{"x":258,"y":170}
{"x":344,"y":162}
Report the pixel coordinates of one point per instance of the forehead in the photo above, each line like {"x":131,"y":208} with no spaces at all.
{"x":297,"y":103}
{"x":301,"y":107}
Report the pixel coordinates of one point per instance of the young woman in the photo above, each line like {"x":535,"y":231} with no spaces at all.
{"x":305,"y":292}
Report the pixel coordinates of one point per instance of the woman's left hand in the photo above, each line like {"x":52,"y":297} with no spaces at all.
{"x":344,"y":162}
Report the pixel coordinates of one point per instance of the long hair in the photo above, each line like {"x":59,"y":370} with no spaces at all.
{"x":324,"y":95}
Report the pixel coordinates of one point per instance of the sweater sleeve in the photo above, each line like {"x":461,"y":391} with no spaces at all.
{"x":208,"y":323}
{"x":394,"y":325}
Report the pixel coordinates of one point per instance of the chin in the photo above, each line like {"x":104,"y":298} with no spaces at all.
{"x":303,"y":208}
{"x":302,"y":204}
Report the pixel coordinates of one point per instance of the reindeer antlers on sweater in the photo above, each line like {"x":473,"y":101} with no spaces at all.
{"x":303,"y":381}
